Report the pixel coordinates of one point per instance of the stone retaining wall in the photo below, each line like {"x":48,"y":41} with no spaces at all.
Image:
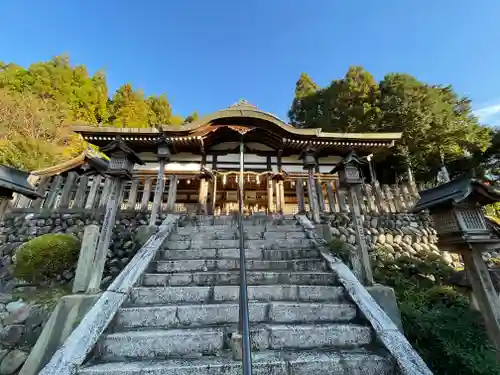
{"x":398,"y":234}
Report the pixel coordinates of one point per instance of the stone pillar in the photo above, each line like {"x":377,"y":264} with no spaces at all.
{"x":146,"y":193}
{"x":96,"y":183}
{"x":53,"y":193}
{"x":203,"y":196}
{"x":105,"y":192}
{"x":160,"y":186}
{"x":4,"y":205}
{"x":86,"y":260}
{"x":81,"y":190}
{"x":214,"y":194}
{"x":172,"y":193}
{"x":24,"y":201}
{"x":67,"y":190}
{"x":313,"y":203}
{"x":360,"y":259}
{"x":280,"y":195}
{"x":484,"y":291}
{"x":321,"y":197}
{"x":299,"y":190}
{"x":270,"y":193}
{"x":331,"y":196}
{"x":132,"y":196}
{"x":42,"y":189}
{"x":108,"y":223}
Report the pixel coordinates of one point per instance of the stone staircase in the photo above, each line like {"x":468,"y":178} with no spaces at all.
{"x":180,"y":319}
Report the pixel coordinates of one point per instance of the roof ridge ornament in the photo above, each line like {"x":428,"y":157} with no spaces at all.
{"x":242,"y":103}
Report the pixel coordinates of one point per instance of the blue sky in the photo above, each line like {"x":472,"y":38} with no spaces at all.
{"x":206,"y":55}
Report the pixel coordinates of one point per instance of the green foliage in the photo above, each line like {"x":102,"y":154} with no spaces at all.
{"x":437,"y":319}
{"x":39,"y":104}
{"x":45,"y":257}
{"x":433,"y":119}
{"x":340,"y":249}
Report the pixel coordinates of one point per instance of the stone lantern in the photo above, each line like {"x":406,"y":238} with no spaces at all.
{"x":456,"y":209}
{"x":309,"y":162}
{"x":14,"y":181}
{"x":121,"y":164}
{"x":163,"y":155}
{"x":350,"y":179}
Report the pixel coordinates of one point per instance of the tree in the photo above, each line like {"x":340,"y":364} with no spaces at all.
{"x":160,"y":111}
{"x":434,"y":120}
{"x":128,"y":108}
{"x":192,"y":117}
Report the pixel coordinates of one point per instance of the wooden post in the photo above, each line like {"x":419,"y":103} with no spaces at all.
{"x":115,"y":198}
{"x":96,"y":184}
{"x":172,"y":193}
{"x":42,"y":189}
{"x":360,"y":259}
{"x":81,"y":190}
{"x":214,"y":194}
{"x":146,"y":193}
{"x":299,"y":190}
{"x":67,"y":189}
{"x":270,"y":193}
{"x":484,"y":291}
{"x":132,"y":197}
{"x":50,"y":202}
{"x":105,"y":192}
{"x":160,"y":186}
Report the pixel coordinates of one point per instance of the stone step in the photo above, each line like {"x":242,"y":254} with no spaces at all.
{"x":160,"y":343}
{"x":227,"y":313}
{"x":144,"y":296}
{"x":234,"y":253}
{"x":234,"y":264}
{"x":200,"y":243}
{"x":263,"y":363}
{"x":233,"y":278}
{"x":191,"y":342}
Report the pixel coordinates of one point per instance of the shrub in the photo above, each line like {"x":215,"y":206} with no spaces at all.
{"x":45,"y":257}
{"x":437,"y":319}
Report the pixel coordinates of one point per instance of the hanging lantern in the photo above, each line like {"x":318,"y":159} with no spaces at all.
{"x":237,"y":181}
{"x":224,"y":180}
{"x":257,"y":180}
{"x":292,"y":184}
{"x":188,"y":182}
{"x":248,"y":178}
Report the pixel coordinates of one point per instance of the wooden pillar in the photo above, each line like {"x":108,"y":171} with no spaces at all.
{"x":132,"y":196}
{"x":331,"y":196}
{"x":115,"y":198}
{"x":270,"y":193}
{"x":360,"y":259}
{"x":105,"y":192}
{"x":299,"y":190}
{"x":203,"y":196}
{"x":146,"y":193}
{"x":81,"y":190}
{"x":53,"y":193}
{"x":67,"y":190}
{"x":160,"y":186}
{"x":42,"y":189}
{"x":484,"y":291}
{"x":172,"y":193}
{"x":321,"y":197}
{"x":96,"y":183}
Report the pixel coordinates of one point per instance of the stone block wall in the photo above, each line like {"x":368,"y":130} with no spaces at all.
{"x":399,"y":234}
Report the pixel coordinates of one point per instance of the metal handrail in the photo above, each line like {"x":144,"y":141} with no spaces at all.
{"x":244,"y":321}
